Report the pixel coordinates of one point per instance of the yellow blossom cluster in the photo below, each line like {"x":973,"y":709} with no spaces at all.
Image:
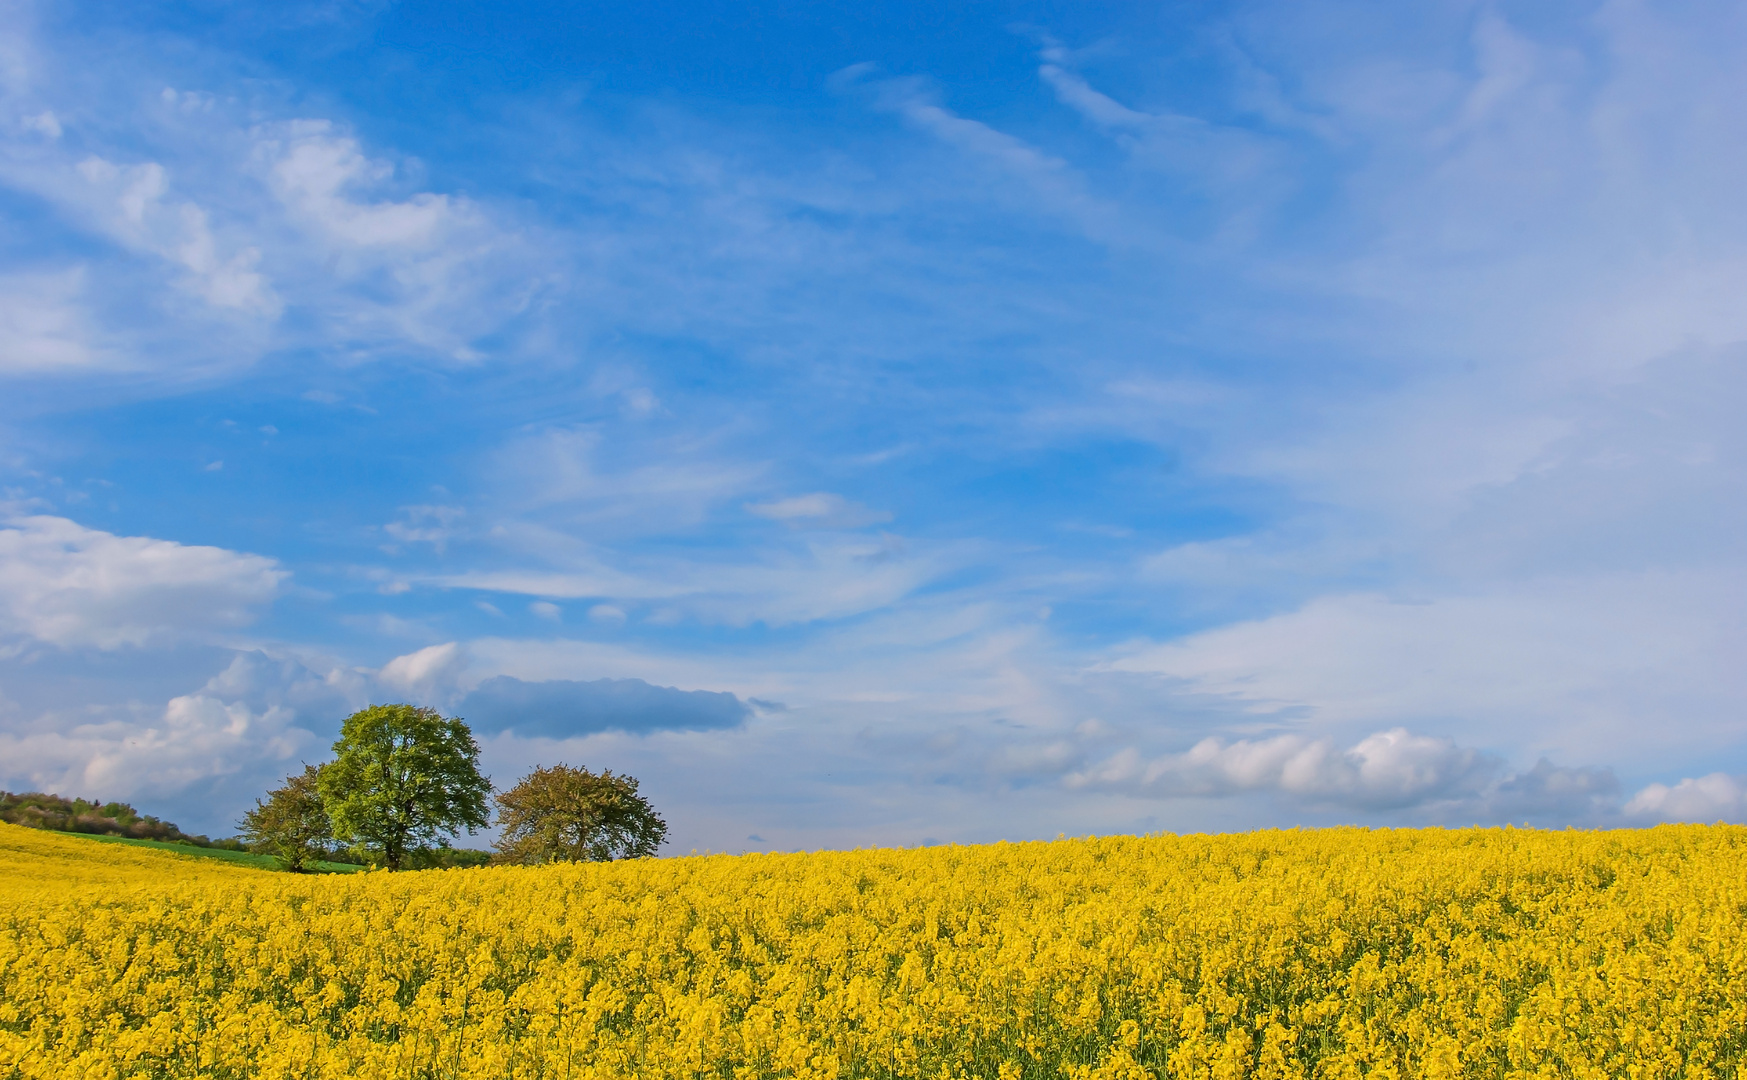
{"x":1325,"y":953}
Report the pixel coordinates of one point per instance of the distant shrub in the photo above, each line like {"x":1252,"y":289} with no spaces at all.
{"x":40,"y":810}
{"x":442,"y":857}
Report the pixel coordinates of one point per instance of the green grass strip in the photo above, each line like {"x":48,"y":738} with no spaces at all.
{"x":247,"y":858}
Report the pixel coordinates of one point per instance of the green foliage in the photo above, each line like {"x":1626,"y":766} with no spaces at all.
{"x":448,"y":858}
{"x":40,"y":810}
{"x":403,"y":780}
{"x":291,"y":822}
{"x":230,"y":851}
{"x":563,"y":814}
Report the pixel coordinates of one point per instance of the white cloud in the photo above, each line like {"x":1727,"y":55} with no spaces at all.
{"x":1389,"y":769}
{"x":1555,"y":581}
{"x":254,"y":216}
{"x":578,"y":500}
{"x":243,"y":727}
{"x":1392,"y":770}
{"x":1644,"y":663}
{"x":195,"y":738}
{"x":1717,"y":797}
{"x":650,"y":485}
{"x":132,"y":204}
{"x":824,"y":580}
{"x":71,"y":586}
{"x":935,"y":658}
{"x":428,"y":269}
{"x":45,"y":325}
{"x":434,"y":525}
{"x":1044,"y":180}
{"x":429,"y":674}
{"x":641,"y":402}
{"x":318,"y":170}
{"x":1216,"y":159}
{"x":44,"y":122}
{"x":820,"y":510}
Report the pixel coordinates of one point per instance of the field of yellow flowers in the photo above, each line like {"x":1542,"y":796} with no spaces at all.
{"x":1336,"y":953}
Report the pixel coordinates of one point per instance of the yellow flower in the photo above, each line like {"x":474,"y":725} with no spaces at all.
{"x":1297,"y":954}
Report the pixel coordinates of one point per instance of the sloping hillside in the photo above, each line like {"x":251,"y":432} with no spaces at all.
{"x":37,"y":861}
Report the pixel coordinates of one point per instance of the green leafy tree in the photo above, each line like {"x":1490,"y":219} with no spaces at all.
{"x":403,"y":779}
{"x":561,"y":814}
{"x":291,"y":822}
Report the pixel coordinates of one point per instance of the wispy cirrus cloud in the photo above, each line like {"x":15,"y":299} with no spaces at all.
{"x":45,"y":324}
{"x":820,"y":580}
{"x":819,"y":510}
{"x":1017,"y":168}
{"x":132,"y":204}
{"x":254,"y":219}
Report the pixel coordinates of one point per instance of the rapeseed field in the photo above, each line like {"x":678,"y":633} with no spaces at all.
{"x":1330,"y":953}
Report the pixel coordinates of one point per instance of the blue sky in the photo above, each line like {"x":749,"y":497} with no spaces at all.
{"x":884,"y":423}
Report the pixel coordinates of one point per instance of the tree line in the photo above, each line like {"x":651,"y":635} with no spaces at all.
{"x":41,"y":810}
{"x":404,"y":780}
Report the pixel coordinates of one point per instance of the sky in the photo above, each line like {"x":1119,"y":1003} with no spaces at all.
{"x":884,"y":424}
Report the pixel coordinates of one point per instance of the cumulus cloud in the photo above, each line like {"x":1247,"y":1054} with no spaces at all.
{"x":1549,"y":792}
{"x":431,"y":673}
{"x":319,"y":170}
{"x":561,"y":709}
{"x":195,"y":738}
{"x":67,"y":585}
{"x":241,"y":729}
{"x":1389,"y":770}
{"x":319,"y":690}
{"x":1717,"y":797}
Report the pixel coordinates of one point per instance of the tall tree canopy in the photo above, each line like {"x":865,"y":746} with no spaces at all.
{"x":564,"y":814}
{"x":403,"y":779}
{"x":291,"y":822}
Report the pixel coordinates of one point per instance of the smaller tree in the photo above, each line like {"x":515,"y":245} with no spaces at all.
{"x":291,"y":822}
{"x":562,"y":814}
